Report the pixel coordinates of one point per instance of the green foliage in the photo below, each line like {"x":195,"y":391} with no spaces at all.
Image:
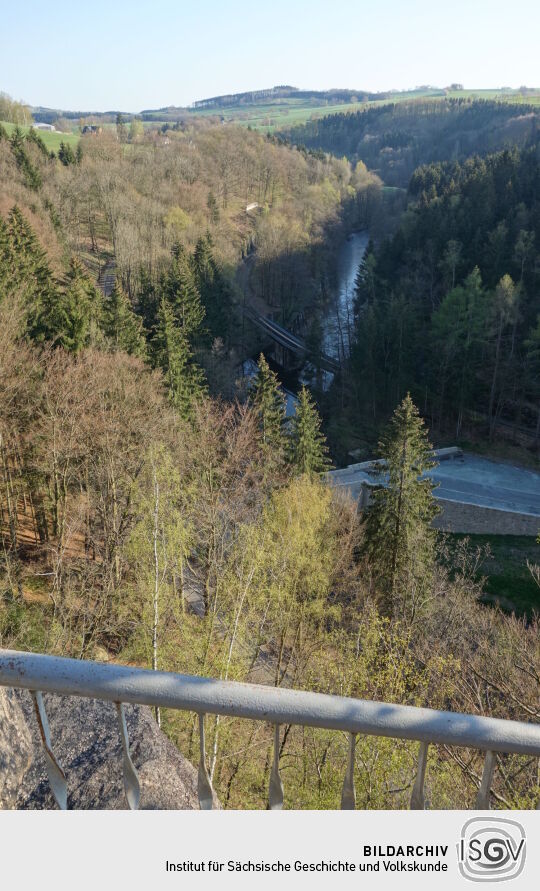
{"x":158,"y":550}
{"x":50,"y":139}
{"x":70,"y":316}
{"x":66,"y":154}
{"x":308,"y":452}
{"x":172,"y":353}
{"x":34,"y":137}
{"x":136,"y":130}
{"x":395,"y":138}
{"x":213,"y":210}
{"x":400,"y":542}
{"x":15,"y":112}
{"x":30,"y":173}
{"x":171,"y":537}
{"x":121,"y":324}
{"x":507,"y":570}
{"x":67,"y":313}
{"x":445,"y":308}
{"x":24,"y":268}
{"x":215,"y":291}
{"x":459,"y":326}
{"x":269,"y":403}
{"x":180,"y":288}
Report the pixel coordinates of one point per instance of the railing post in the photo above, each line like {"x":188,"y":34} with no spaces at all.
{"x":417,"y":797}
{"x":275,"y":787}
{"x":57,"y":777}
{"x":482,"y":799}
{"x":348,"y":793}
{"x":131,"y":778}
{"x":204,"y":786}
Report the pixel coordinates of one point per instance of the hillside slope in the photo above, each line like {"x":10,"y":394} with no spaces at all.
{"x":395,"y":138}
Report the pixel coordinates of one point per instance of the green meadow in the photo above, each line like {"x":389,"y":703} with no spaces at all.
{"x":51,"y":140}
{"x":281,"y":113}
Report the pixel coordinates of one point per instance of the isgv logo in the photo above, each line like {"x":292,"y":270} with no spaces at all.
{"x":491,"y":850}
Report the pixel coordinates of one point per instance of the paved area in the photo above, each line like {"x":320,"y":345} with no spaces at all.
{"x":467,"y":480}
{"x":476,"y":480}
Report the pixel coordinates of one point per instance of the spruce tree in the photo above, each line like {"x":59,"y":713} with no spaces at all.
{"x":84,"y":306}
{"x":5,"y":260}
{"x":172,"y":353}
{"x":30,"y":268}
{"x":366,"y":275}
{"x":148,"y":301}
{"x":213,"y":288}
{"x":30,"y":173}
{"x":25,"y":269}
{"x":122,"y":325}
{"x":308,"y":452}
{"x":183,"y":295}
{"x":66,"y":154}
{"x":34,"y":137}
{"x":269,"y":403}
{"x":399,"y":539}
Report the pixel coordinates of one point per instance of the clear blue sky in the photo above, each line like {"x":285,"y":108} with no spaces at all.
{"x":130,"y":55}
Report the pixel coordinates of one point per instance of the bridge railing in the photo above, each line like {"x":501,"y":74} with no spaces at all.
{"x":125,"y":684}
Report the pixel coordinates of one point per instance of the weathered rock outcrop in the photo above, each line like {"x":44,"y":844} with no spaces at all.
{"x":16,"y":748}
{"x":86,"y":742}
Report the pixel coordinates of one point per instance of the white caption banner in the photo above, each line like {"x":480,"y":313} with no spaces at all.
{"x":290,"y":849}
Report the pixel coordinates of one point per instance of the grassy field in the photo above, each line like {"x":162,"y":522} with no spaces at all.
{"x":508,"y":580}
{"x":51,"y":140}
{"x":514,"y":97}
{"x":280,"y":113}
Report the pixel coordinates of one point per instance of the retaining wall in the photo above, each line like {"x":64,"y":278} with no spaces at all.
{"x":458,"y":517}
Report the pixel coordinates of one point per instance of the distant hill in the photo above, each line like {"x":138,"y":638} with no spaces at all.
{"x":393,"y":139}
{"x":44,"y":115}
{"x":285,"y":106}
{"x":256,"y":97}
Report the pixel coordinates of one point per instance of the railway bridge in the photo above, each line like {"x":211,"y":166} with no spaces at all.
{"x":290,"y":341}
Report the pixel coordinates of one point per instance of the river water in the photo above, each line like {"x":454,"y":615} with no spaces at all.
{"x":338,"y":322}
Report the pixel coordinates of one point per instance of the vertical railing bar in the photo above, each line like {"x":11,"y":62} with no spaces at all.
{"x":204,"y":786}
{"x":348,"y":793}
{"x":132,"y":786}
{"x":418,"y":797}
{"x":482,"y":799}
{"x":55,"y":773}
{"x":275,"y":786}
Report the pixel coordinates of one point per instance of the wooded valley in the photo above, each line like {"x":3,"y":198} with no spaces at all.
{"x":159,"y":508}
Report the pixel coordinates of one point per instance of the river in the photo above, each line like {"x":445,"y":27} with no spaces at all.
{"x":338,"y":322}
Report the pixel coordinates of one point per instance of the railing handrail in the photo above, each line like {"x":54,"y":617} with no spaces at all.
{"x":127,"y":684}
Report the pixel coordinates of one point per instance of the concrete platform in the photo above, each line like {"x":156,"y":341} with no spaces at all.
{"x":470,"y":479}
{"x":485,"y":483}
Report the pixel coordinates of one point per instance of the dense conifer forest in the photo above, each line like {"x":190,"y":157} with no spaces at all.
{"x":448,"y":307}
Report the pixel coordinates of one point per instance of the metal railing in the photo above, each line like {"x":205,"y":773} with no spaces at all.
{"x":123,"y":684}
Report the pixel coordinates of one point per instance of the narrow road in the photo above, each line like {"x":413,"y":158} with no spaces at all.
{"x":107,"y":278}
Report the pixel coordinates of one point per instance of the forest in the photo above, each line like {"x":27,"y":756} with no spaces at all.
{"x":159,"y":509}
{"x":447,"y":308}
{"x":394,"y":139}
